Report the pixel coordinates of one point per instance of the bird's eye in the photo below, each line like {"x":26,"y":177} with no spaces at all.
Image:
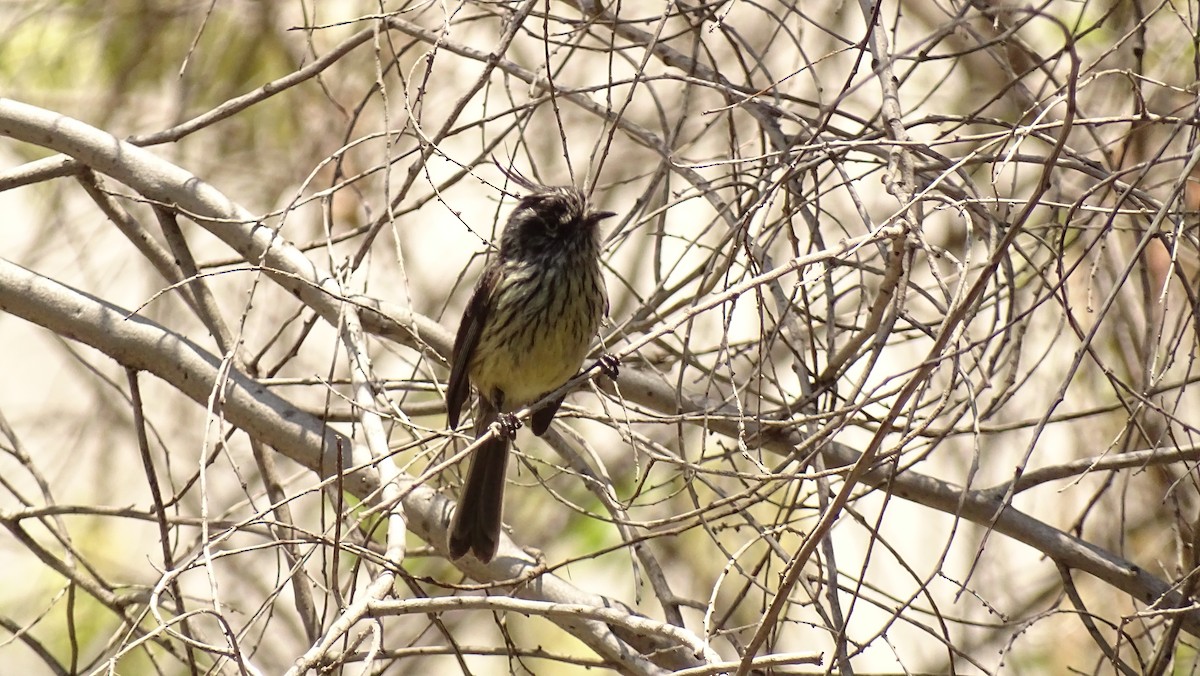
{"x":553,"y":221}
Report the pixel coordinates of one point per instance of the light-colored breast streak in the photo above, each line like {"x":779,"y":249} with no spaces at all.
{"x":538,"y":332}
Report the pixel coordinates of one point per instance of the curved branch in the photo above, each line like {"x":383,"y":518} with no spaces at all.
{"x":140,"y":344}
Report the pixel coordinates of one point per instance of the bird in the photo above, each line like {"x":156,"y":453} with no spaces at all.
{"x":524,"y":333}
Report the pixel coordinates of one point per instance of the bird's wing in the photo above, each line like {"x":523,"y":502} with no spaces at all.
{"x":540,"y":420}
{"x":469,"y":330}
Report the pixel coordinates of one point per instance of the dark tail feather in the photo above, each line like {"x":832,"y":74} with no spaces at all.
{"x":476,"y":524}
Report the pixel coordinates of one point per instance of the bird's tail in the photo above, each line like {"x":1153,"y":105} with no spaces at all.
{"x":476,"y":524}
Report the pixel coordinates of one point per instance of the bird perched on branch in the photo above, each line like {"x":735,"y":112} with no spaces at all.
{"x":524,"y":333}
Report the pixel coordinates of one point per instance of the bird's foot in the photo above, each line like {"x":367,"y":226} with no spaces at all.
{"x":508,"y":425}
{"x":610,"y":365}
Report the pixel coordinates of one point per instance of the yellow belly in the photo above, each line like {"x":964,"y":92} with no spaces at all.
{"x":557,"y":317}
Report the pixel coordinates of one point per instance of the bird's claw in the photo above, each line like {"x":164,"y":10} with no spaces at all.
{"x":508,"y":424}
{"x":610,"y":365}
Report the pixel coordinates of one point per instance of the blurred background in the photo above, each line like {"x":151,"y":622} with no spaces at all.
{"x":956,"y":237}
